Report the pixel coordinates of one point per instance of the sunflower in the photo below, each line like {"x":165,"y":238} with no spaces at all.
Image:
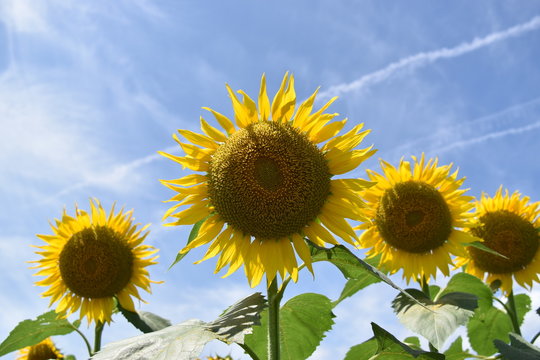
{"x":92,"y":258}
{"x":266,"y":185}
{"x":510,"y":225}
{"x":415,"y":211}
{"x":43,"y":351}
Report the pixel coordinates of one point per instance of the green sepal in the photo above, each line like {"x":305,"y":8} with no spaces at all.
{"x":480,"y":246}
{"x":31,"y":332}
{"x":192,"y":236}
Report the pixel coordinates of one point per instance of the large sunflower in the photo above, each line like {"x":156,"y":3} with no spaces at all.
{"x":92,"y":258}
{"x":510,"y":225}
{"x":414,"y":213}
{"x":44,"y":350}
{"x":266,"y":184}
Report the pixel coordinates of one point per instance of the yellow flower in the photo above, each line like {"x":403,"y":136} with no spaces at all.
{"x":510,"y":225}
{"x":92,"y":258}
{"x":415,"y":211}
{"x":266,"y":184}
{"x":43,"y":351}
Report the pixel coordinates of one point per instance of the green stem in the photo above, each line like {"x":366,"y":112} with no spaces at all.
{"x":273,"y":320}
{"x":248,"y":351}
{"x":535,"y":337}
{"x":513,"y":313}
{"x":88,"y":347}
{"x":425,"y":287}
{"x":286,"y":282}
{"x":98,"y":333}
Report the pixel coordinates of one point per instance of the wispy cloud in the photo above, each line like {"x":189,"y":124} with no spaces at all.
{"x":513,"y":120}
{"x":426,"y":58}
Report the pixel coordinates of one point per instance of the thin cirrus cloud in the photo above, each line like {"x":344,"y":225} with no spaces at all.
{"x":426,"y":58}
{"x":407,"y":63}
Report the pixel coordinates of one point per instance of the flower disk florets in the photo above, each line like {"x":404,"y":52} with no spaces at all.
{"x":413,"y":216}
{"x":509,"y":235}
{"x":96,"y":262}
{"x":268,"y":180}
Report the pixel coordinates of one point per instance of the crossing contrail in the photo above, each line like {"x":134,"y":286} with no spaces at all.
{"x":426,"y":58}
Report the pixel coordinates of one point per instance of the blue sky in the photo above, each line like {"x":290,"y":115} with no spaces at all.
{"x":90,"y":91}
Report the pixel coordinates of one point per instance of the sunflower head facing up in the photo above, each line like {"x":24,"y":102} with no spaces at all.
{"x":44,"y":350}
{"x":414,"y":212}
{"x":266,"y":184}
{"x":91,"y":258}
{"x":510,"y":225}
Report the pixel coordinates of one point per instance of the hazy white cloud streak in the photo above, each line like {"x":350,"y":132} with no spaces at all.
{"x":426,"y":58}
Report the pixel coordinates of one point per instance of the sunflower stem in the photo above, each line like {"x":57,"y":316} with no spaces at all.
{"x":97,"y":340}
{"x":513,"y":312}
{"x":273,"y":320}
{"x":425,"y":286}
{"x":88,"y":346}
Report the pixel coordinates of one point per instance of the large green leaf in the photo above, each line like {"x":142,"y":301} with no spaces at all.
{"x":31,"y":332}
{"x":462,"y":282}
{"x":363,"y":351}
{"x":486,"y":326}
{"x":519,"y":349}
{"x":351,"y":266}
{"x":303,"y":321}
{"x":390,"y":348}
{"x":186,"y":340}
{"x":456,"y":352}
{"x":434,"y":321}
{"x":143,"y":320}
{"x":352,"y":286}
{"x":192,"y":235}
{"x":523,"y":306}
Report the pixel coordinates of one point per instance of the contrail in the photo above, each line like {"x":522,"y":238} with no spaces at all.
{"x":489,"y":136}
{"x":425,"y":58}
{"x":449,"y":137}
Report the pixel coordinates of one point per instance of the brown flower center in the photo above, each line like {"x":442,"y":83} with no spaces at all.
{"x":413,"y":216}
{"x":96,"y":262}
{"x":42,"y":352}
{"x":268,"y":180}
{"x":508,"y":234}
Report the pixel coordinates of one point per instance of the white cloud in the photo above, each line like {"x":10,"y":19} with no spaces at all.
{"x":426,"y":58}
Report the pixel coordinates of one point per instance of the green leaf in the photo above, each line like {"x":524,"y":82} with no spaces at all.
{"x":143,"y":320}
{"x":390,"y":348}
{"x":434,"y":291}
{"x":186,"y":340}
{"x":31,"y":332}
{"x":486,"y":326}
{"x":363,"y":351}
{"x":192,"y":235}
{"x":303,"y":321}
{"x":70,"y":357}
{"x":480,"y":246}
{"x":456,"y":352}
{"x":460,"y":299}
{"x":352,"y":286}
{"x":351,"y":266}
{"x":519,"y":349}
{"x":434,"y":321}
{"x":523,"y":306}
{"x":467,"y":283}
{"x":413,"y":342}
